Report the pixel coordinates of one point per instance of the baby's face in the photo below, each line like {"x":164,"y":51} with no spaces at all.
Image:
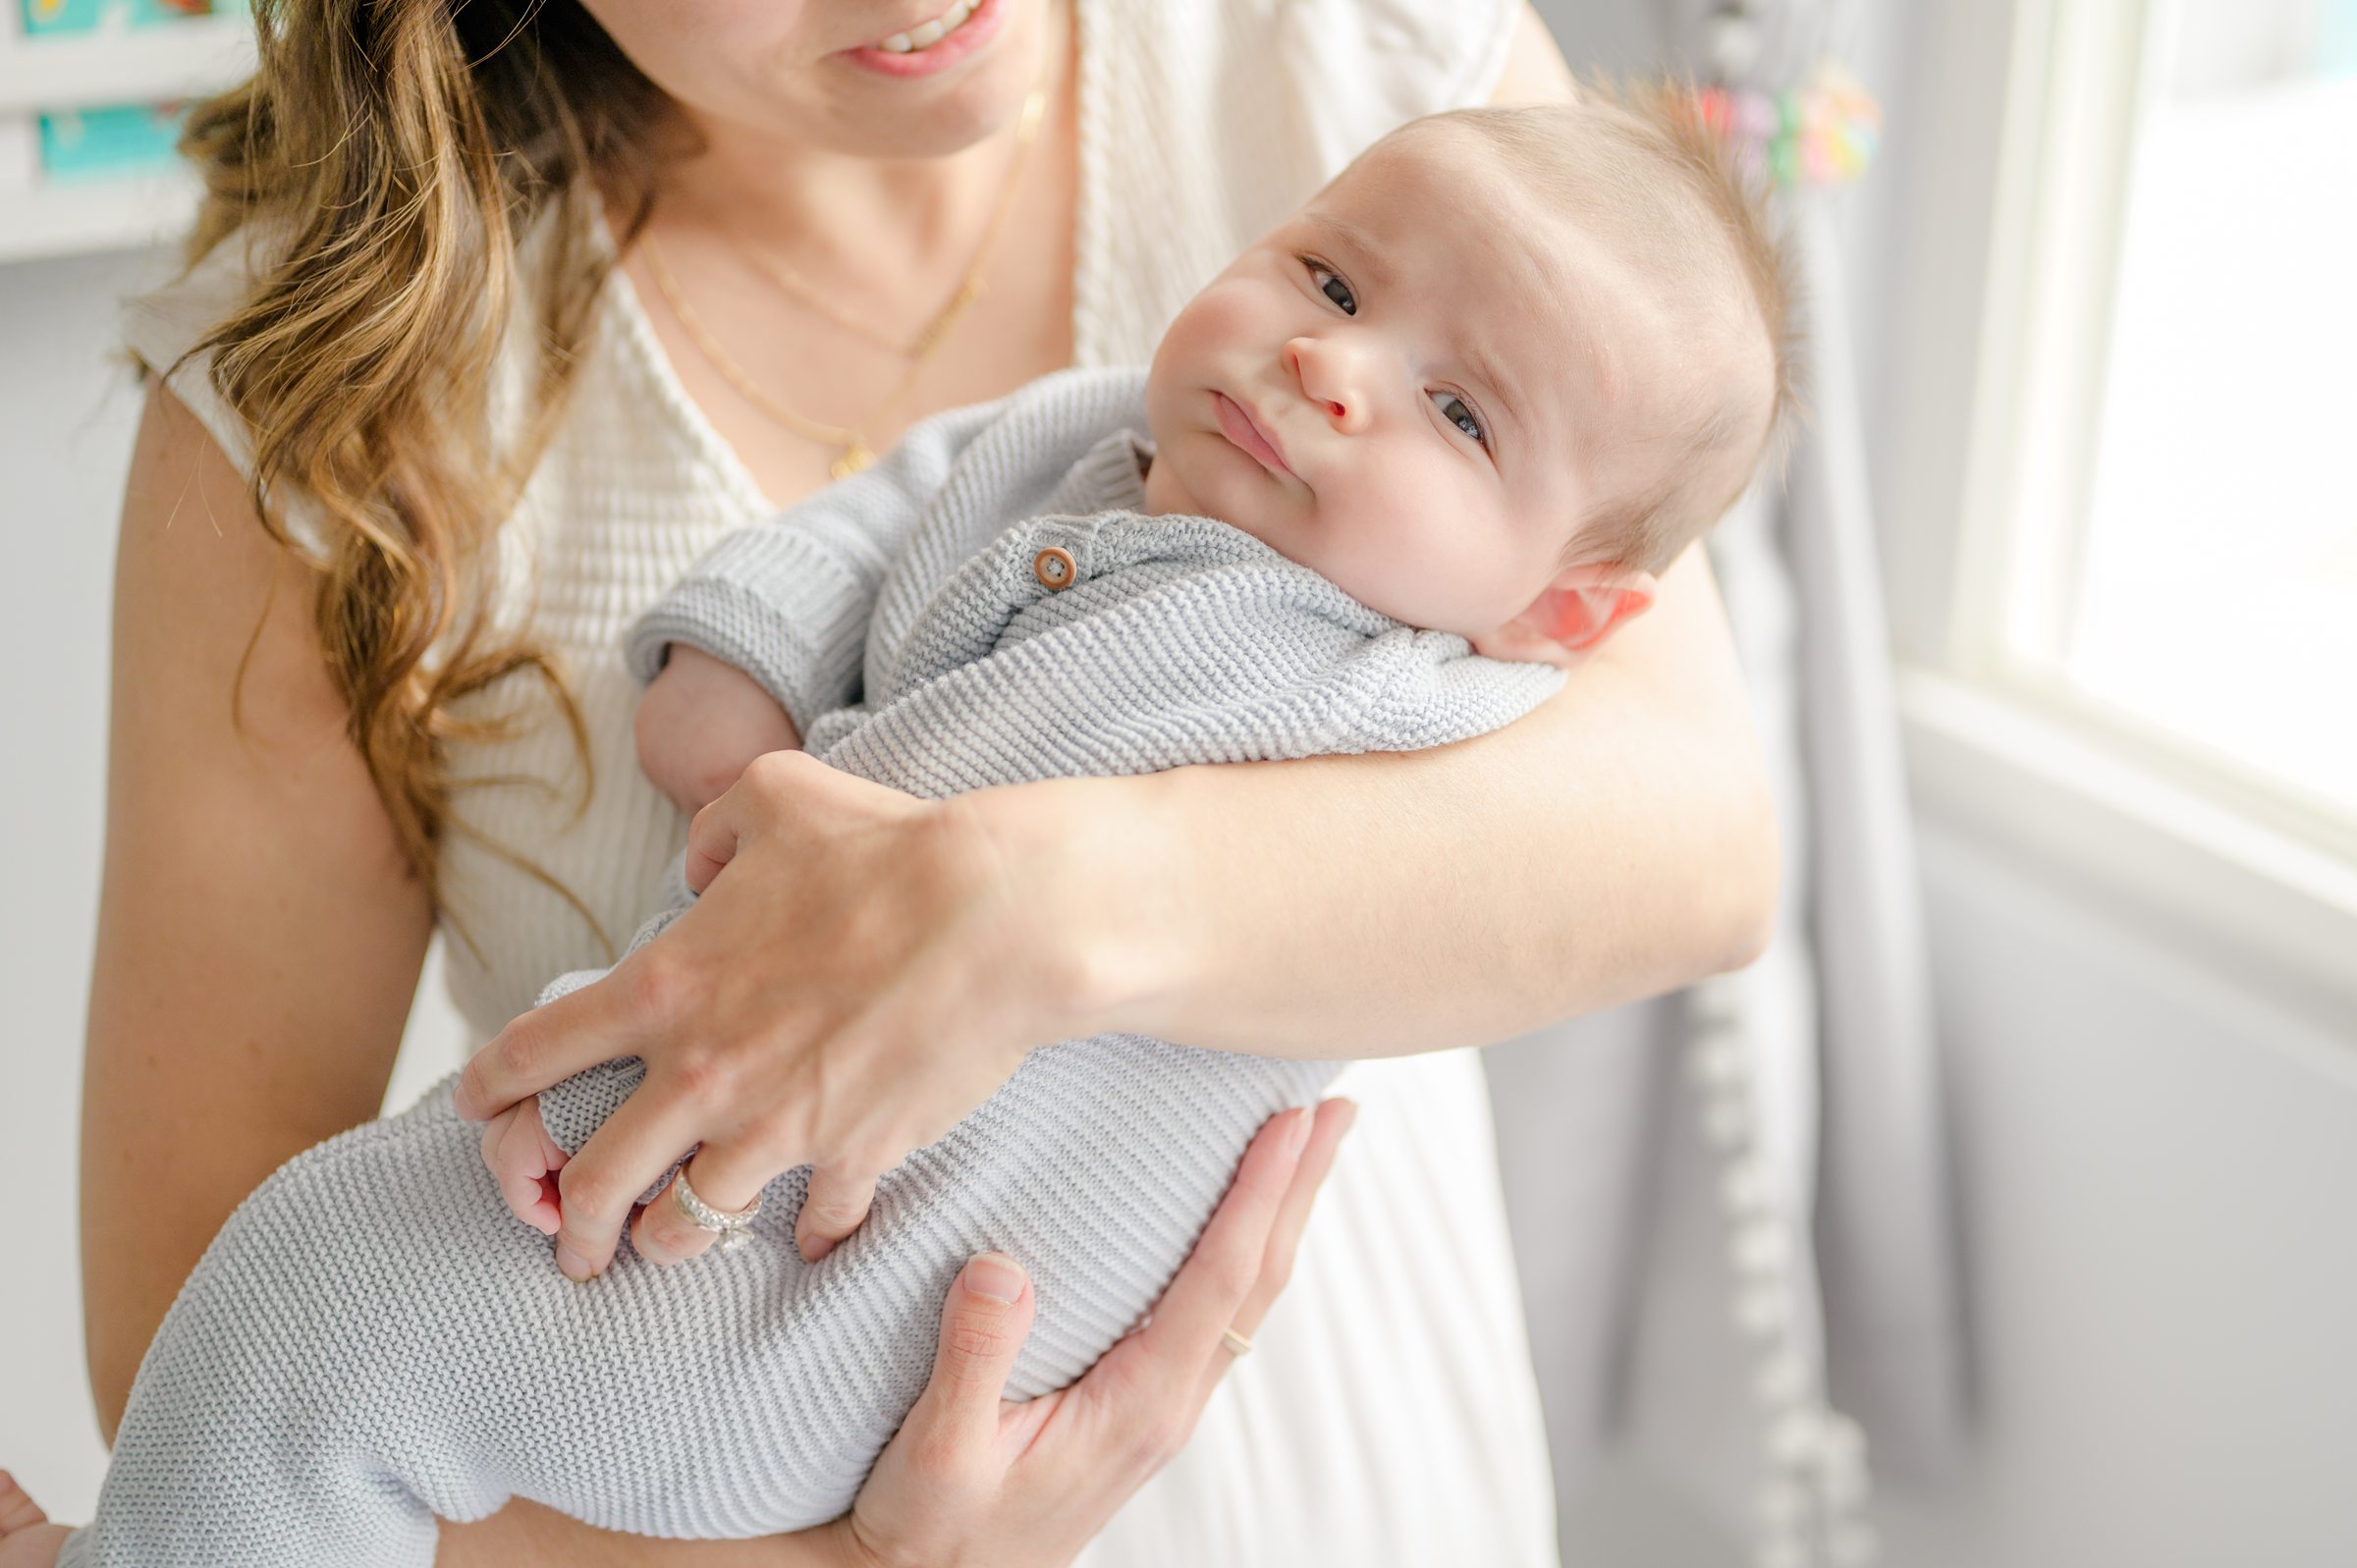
{"x":1389,"y":390}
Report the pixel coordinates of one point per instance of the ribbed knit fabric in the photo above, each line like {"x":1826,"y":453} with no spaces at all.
{"x":321,"y":1388}
{"x":1390,"y":1417}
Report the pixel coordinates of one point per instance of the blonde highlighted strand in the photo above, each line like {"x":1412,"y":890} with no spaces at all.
{"x":388,"y":156}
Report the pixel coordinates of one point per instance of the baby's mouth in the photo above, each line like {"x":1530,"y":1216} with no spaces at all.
{"x":1237,"y":427}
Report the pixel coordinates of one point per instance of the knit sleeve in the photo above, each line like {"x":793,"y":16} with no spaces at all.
{"x":788,"y":600}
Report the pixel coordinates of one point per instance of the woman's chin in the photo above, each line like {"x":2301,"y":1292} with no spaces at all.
{"x":880,"y":116}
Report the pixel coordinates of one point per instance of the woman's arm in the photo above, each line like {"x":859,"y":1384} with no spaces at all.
{"x":259,"y":935}
{"x":880,"y":967}
{"x":863,"y":968}
{"x":1615,"y":843}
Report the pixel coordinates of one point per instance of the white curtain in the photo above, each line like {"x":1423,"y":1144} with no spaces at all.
{"x":1670,"y":1164}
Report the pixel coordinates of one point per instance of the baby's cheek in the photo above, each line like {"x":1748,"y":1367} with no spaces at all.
{"x":1419,"y":553}
{"x":1222,"y":318}
{"x":1366,"y":547}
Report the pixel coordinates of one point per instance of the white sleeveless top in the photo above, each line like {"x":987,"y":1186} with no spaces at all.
{"x":1388,"y":1415}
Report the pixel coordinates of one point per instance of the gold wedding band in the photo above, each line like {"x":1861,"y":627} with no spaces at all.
{"x":1237,"y":1345}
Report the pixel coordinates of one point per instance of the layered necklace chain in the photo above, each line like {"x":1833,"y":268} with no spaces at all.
{"x":854,"y":450}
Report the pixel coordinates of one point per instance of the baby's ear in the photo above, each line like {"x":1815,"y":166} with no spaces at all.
{"x":1572,"y":614}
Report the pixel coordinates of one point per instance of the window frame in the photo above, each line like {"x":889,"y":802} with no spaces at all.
{"x":2014,"y":162}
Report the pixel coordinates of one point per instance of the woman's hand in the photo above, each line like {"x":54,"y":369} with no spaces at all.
{"x":861,"y":976}
{"x":970,"y":1481}
{"x":871,"y":967}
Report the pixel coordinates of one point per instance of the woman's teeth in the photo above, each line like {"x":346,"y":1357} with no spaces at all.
{"x":927,"y":35}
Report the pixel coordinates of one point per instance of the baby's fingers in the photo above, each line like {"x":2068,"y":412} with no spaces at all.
{"x":522,"y":1156}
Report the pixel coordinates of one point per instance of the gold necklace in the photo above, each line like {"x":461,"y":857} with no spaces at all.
{"x":794,"y":283}
{"x":858,"y":451}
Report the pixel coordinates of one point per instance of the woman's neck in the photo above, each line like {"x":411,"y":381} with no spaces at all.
{"x":827,"y":211}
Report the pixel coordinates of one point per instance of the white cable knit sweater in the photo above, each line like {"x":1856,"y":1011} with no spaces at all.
{"x":1390,"y":1415}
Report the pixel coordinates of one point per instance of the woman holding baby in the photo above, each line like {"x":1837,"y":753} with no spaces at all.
{"x":516,"y":309}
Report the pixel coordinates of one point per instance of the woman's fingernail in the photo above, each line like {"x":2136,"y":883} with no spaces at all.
{"x":573,"y":1266}
{"x":814,"y":1250}
{"x":994,"y":1275}
{"x":1349,"y":1115}
{"x":1299,"y":1135}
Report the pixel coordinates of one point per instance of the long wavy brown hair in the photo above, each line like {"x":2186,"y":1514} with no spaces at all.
{"x":395,"y":152}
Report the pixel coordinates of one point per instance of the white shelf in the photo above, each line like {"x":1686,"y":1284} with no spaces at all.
{"x":126,"y":214}
{"x":138,"y":65}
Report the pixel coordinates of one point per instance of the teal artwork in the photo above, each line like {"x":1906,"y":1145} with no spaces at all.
{"x":91,"y":15}
{"x":2336,"y":41}
{"x":101,"y":144}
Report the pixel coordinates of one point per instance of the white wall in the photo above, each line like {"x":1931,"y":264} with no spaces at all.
{"x":65,"y":424}
{"x":67,"y":417}
{"x":2157,"y":1172}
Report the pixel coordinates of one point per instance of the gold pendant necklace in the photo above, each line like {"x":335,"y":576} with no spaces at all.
{"x":858,"y":451}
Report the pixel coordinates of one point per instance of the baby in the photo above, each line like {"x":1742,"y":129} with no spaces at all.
{"x":1489,"y":382}
{"x":1412,"y":455}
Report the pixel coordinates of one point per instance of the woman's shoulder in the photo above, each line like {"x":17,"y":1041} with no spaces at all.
{"x":163,"y":323}
{"x":165,"y":329}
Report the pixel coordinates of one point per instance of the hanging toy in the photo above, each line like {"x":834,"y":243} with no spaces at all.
{"x":1823,"y":133}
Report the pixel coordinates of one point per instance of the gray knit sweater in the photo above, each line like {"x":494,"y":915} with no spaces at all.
{"x":373,"y":1340}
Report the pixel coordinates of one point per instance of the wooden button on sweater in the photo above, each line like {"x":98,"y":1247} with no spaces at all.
{"x":1053,"y":568}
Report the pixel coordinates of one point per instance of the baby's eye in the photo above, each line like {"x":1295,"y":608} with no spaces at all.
{"x":1460,"y":413}
{"x":1333,"y":288}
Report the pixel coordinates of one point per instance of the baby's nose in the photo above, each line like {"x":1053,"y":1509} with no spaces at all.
{"x":1326,"y":378}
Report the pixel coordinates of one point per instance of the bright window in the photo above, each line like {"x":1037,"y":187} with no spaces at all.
{"x":2167,"y":484}
{"x":2217,"y":596}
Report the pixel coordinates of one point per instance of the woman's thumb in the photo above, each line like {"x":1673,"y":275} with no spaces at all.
{"x":982,"y":1328}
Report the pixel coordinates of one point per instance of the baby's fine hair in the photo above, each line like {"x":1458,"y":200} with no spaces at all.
{"x":1639,"y":161}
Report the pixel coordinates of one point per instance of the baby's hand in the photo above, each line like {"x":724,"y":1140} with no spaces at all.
{"x":700,"y":722}
{"x":525,"y":1160}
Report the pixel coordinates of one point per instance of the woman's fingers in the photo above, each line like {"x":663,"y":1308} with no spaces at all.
{"x":662,"y":1231}
{"x":983,"y":1324}
{"x":550,"y":1044}
{"x":713,"y":835}
{"x":838,"y":1201}
{"x":621,"y":1159}
{"x":968,"y":1478}
{"x":726,"y":1176}
{"x":944,"y":1489}
{"x":834,"y":1207}
{"x":1335,"y":1119}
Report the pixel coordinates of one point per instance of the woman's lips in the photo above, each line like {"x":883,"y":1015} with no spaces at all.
{"x":979,"y":29}
{"x":1239,"y":427}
